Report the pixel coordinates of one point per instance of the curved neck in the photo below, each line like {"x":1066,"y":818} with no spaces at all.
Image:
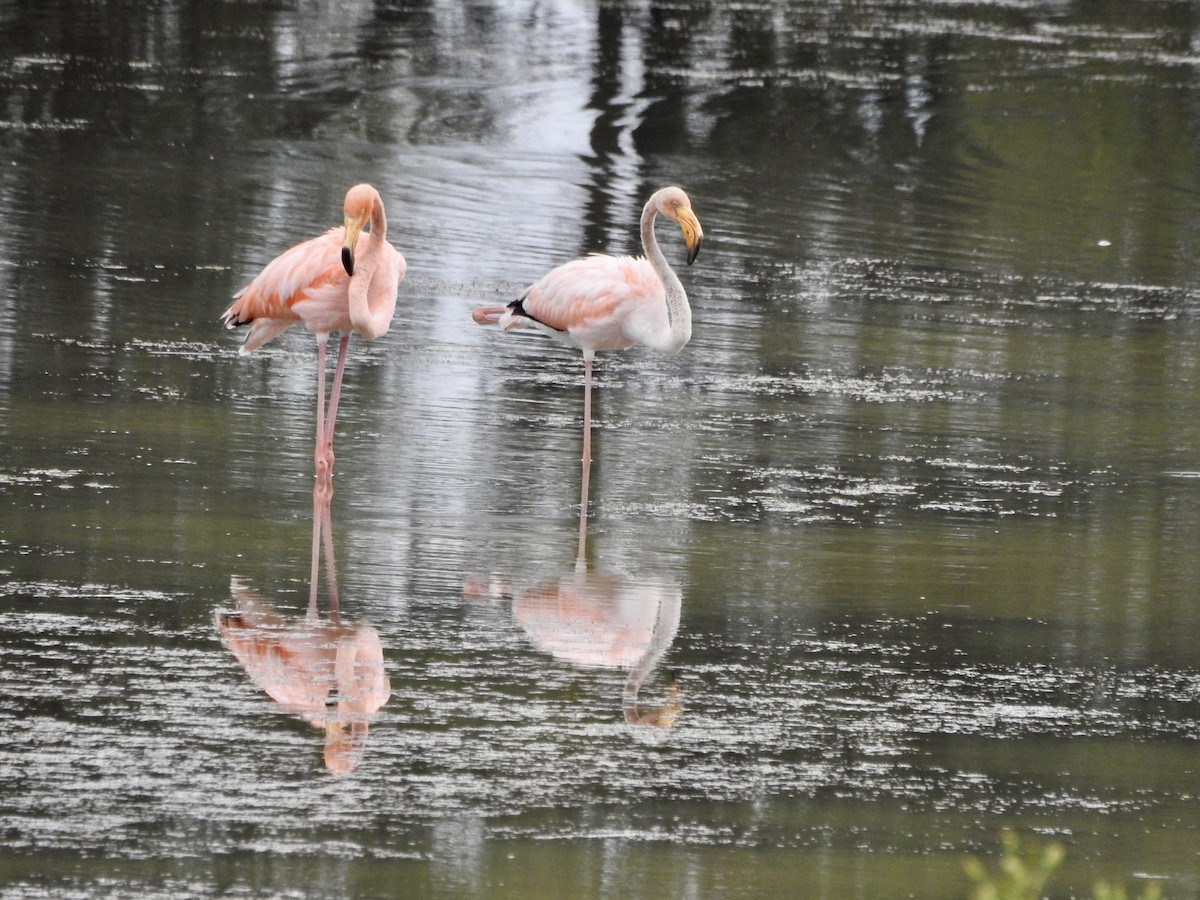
{"x":666,"y":623}
{"x":378,"y":220}
{"x":365,"y":264}
{"x":678,"y":310}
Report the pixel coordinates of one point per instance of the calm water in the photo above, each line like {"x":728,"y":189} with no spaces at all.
{"x":900,"y":551}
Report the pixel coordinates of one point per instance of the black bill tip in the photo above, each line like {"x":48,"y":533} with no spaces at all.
{"x":348,"y":260}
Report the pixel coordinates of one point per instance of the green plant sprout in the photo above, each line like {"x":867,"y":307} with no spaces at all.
{"x":1026,"y":866}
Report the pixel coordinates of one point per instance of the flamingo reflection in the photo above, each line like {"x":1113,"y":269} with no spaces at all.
{"x":329,"y":672}
{"x":591,"y":619}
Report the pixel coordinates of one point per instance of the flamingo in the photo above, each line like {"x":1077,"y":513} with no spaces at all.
{"x":604,"y":302}
{"x":344,"y":281}
{"x":594,"y":620}
{"x":589,"y":619}
{"x":329,"y":672}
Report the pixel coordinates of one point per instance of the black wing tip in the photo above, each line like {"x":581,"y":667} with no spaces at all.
{"x":518,"y":307}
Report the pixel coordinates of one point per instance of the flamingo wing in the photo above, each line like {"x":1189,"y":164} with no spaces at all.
{"x":292,"y":663}
{"x":598,"y":302}
{"x":598,"y":620}
{"x":307,"y":282}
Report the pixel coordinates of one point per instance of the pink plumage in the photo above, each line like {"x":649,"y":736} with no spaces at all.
{"x":610,"y":303}
{"x":604,"y":303}
{"x":304,"y":284}
{"x":330,"y":673}
{"x":345,"y":280}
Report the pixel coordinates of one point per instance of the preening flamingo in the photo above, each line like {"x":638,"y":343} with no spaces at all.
{"x":610,"y":303}
{"x":346,"y":281}
{"x":329,"y":672}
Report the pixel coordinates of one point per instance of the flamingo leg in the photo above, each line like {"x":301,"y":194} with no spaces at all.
{"x":322,"y":492}
{"x":334,"y":394}
{"x":587,"y":452}
{"x":331,"y":584}
{"x":322,"y":539}
{"x":321,"y":465}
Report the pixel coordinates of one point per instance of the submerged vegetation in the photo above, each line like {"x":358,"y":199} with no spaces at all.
{"x":1025,"y":867}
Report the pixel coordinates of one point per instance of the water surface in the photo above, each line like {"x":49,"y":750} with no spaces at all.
{"x":905,"y":537}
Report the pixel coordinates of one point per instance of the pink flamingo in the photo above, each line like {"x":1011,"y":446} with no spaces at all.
{"x":610,"y":303}
{"x":330,"y":673}
{"x":344,"y":281}
{"x":588,"y":619}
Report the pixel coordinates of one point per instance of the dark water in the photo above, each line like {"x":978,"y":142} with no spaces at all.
{"x":901,"y":549}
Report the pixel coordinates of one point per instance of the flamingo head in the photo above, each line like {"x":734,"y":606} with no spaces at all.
{"x":664,"y":716}
{"x":345,"y":746}
{"x":675,"y":205}
{"x":360,"y":203}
